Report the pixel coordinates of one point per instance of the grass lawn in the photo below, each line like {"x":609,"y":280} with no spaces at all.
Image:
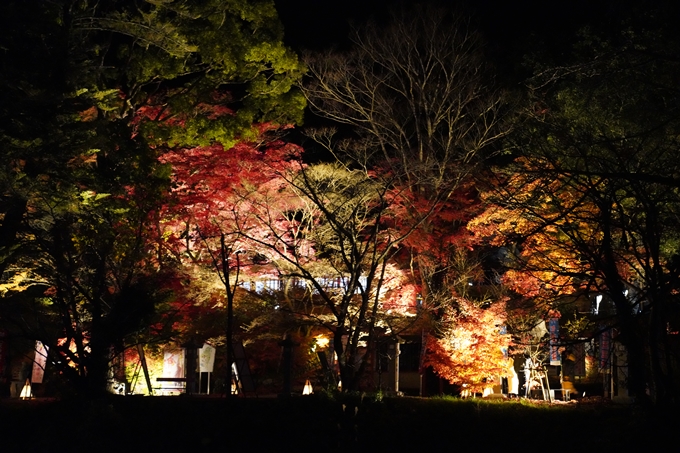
{"x":323,"y":424}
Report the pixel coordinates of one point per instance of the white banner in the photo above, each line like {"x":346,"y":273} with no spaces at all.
{"x":173,"y":366}
{"x":39,"y":363}
{"x":206,"y":359}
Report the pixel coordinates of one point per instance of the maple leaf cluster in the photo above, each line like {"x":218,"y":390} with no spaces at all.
{"x":542,"y":263}
{"x":212,"y":186}
{"x":471,"y":347}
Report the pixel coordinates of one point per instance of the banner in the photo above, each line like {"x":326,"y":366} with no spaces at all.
{"x":580,"y":359}
{"x":206,"y":359}
{"x":39,"y":363}
{"x":605,"y":345}
{"x":4,"y":351}
{"x":173,"y":366}
{"x":554,"y":329}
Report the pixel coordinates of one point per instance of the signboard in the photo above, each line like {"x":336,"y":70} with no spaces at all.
{"x":39,"y":363}
{"x":206,"y":359}
{"x":173,"y":366}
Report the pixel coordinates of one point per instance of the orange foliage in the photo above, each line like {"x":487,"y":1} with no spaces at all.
{"x":540,"y":219}
{"x":470,"y":349}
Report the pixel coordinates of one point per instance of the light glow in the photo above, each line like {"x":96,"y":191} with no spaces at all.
{"x":598,"y":299}
{"x":26,"y":392}
{"x":308,"y":389}
{"x":322,"y":341}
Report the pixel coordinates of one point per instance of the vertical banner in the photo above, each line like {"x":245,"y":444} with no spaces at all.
{"x":605,"y":347}
{"x":4,"y":351}
{"x":206,"y":359}
{"x":423,"y":352}
{"x":580,"y":359}
{"x":173,"y":366}
{"x":504,"y":349}
{"x":554,"y":329}
{"x":39,"y":363}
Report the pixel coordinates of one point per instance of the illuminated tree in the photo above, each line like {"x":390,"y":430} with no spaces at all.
{"x":470,"y":346}
{"x":592,"y":204}
{"x":201,"y":224}
{"x":466,"y":341}
{"x":422,"y":107}
{"x":331,"y":233}
{"x":91,"y":90}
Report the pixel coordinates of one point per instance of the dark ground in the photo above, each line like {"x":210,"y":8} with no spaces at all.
{"x":320,"y":424}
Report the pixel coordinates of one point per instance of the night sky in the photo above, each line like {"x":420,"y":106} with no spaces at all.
{"x":511,"y":28}
{"x":315,"y":24}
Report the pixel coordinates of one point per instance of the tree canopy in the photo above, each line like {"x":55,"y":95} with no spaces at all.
{"x":92,"y":91}
{"x":592,"y":202}
{"x":147,"y":174}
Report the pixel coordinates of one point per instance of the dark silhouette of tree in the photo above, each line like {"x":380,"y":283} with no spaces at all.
{"x":416,"y":92}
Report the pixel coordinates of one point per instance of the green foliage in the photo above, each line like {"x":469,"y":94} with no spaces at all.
{"x":579,"y":326}
{"x":89,"y":91}
{"x":198,"y":50}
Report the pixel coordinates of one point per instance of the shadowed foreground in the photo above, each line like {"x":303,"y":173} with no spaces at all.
{"x":306,"y":424}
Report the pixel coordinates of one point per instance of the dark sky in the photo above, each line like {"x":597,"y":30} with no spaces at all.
{"x":512,"y":28}
{"x":316,"y":24}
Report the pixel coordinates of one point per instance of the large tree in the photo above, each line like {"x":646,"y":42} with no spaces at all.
{"x":420,"y":102}
{"x":331,"y":234}
{"x":592,"y":204}
{"x":415,"y":105}
{"x":91,"y":90}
